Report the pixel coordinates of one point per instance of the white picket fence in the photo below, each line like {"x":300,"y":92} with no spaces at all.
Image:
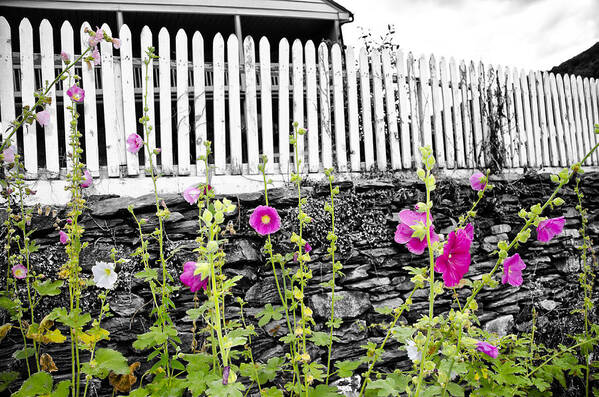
{"x":363,"y":110}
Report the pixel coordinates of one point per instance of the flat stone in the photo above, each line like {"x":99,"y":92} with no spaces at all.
{"x":263,"y":292}
{"x":371,"y":283}
{"x":502,"y":325}
{"x":548,"y":304}
{"x":495,"y":239}
{"x":240,"y":251}
{"x":351,"y":305}
{"x":366,"y":185}
{"x":348,"y":387}
{"x":359,"y":273}
{"x":390,"y":303}
{"x":125,"y":304}
{"x":497,"y":229}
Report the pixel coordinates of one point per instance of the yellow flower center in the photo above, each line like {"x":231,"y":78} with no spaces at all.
{"x":265,"y":219}
{"x":107,"y":271}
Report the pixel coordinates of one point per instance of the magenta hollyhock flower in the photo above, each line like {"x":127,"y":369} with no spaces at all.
{"x":96,"y":56}
{"x":76,"y":93}
{"x":135,"y":143}
{"x":455,"y":260}
{"x":43,"y":117}
{"x":9,"y":154}
{"x":116,"y":43}
{"x":488,"y":349}
{"x":191,"y":194}
{"x":550,"y":228}
{"x":192,"y":280}
{"x":411,"y":231}
{"x":65,"y":57}
{"x":64,"y":238}
{"x":512,"y":270}
{"x":307,"y":248}
{"x":265,"y":220}
{"x":19,"y":271}
{"x":87,"y":179}
{"x":478,"y":181}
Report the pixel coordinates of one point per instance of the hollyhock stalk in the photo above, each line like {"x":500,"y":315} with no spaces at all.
{"x":269,"y":251}
{"x":429,"y":161}
{"x":333,"y":248}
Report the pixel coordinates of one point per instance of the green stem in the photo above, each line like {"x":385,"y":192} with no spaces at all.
{"x":553,"y":356}
{"x":378,"y":351}
{"x":333,"y":247}
{"x":250,"y":350}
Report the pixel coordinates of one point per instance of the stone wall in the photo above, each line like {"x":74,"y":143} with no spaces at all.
{"x":366,"y":212}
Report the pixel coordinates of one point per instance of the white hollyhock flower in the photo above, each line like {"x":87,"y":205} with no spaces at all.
{"x":104,"y":275}
{"x":413,"y":352}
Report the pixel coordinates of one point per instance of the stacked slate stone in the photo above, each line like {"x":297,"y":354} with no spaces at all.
{"x":366,"y":218}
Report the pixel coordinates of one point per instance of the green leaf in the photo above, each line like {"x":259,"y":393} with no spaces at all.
{"x":8,"y":304}
{"x":62,"y":389}
{"x":147,"y":275}
{"x":345,"y":369}
{"x":455,"y":390}
{"x":216,"y":388}
{"x":74,"y":319}
{"x":321,"y":338}
{"x":22,"y":354}
{"x":107,"y":360}
{"x":269,"y":372}
{"x":38,"y":383}
{"x":139,"y":393}
{"x":7,"y":378}
{"x":323,"y":391}
{"x":269,"y":313}
{"x":272,"y":392}
{"x":48,"y":287}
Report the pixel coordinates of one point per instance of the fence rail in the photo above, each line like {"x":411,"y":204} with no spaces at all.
{"x":363,"y":110}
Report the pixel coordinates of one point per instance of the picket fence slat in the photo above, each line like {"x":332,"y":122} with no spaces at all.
{"x":504,"y":117}
{"x":352,"y":109}
{"x":27,"y":90}
{"x":511,"y":118}
{"x":560,"y":145}
{"x":565,"y":120}
{"x":554,"y":155}
{"x":90,"y":112}
{"x":379,"y":113}
{"x":115,"y":146}
{"x":457,"y":115}
{"x":366,"y":109}
{"x":251,"y":105}
{"x":164,"y":82}
{"x":424,"y":97}
{"x":404,"y":110}
{"x":182,"y":60}
{"x":220,"y":137}
{"x":392,"y":129}
{"x":325,"y":106}
{"x":572,"y":137}
{"x":7,"y":96}
{"x":467,"y":116}
{"x":520,"y":129}
{"x":266,"y":104}
{"x":589,"y":115}
{"x":477,"y":132}
{"x":544,"y":129}
{"x":284,"y":125}
{"x":312,"y":108}
{"x":339,"y":106}
{"x":199,"y":100}
{"x":579,"y":115}
{"x":234,"y":86}
{"x":67,"y":44}
{"x":297,"y":60}
{"x":447,"y":119}
{"x":147,"y":87}
{"x":48,"y":75}
{"x":437,"y":108}
{"x":129,"y":119}
{"x":484,"y":89}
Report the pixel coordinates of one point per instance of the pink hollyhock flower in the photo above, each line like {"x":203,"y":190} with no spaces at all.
{"x":76,"y":93}
{"x":96,"y":38}
{"x":9,"y":154}
{"x":96,"y":56}
{"x":116,"y":43}
{"x":43,"y":117}
{"x":550,"y":228}
{"x":265,"y":220}
{"x":191,"y":194}
{"x":411,"y":231}
{"x":307,"y":248}
{"x":65,"y":57}
{"x":455,"y":260}
{"x":194,"y":281}
{"x":512,"y":270}
{"x":478,"y":181}
{"x":64,"y":238}
{"x":488,"y":349}
{"x":19,"y":271}
{"x":135,"y":143}
{"x":87,"y":179}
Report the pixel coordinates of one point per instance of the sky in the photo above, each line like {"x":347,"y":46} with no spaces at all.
{"x":529,"y":34}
